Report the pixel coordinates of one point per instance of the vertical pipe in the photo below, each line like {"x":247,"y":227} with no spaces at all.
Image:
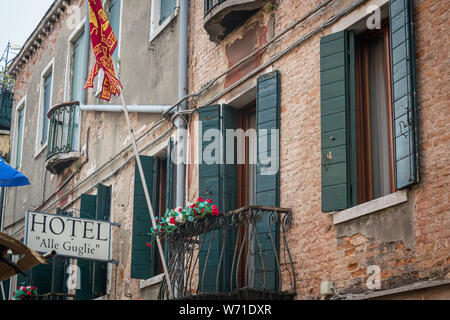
{"x":2,"y":203}
{"x":182,"y":92}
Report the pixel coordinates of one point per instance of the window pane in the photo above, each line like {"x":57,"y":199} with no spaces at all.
{"x":77,"y":83}
{"x":379,"y":119}
{"x":77,"y":69}
{"x":167,"y":7}
{"x":20,"y":124}
{"x":47,"y":98}
{"x":114,"y":20}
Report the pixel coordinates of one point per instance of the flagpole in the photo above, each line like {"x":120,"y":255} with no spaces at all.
{"x":138,"y":162}
{"x":147,"y":196}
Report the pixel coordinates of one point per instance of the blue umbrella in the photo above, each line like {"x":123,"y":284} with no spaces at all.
{"x":10,"y":177}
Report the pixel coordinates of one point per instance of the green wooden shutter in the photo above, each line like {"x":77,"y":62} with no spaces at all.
{"x":42,"y":277}
{"x":218,"y":183}
{"x":404,"y":93}
{"x":86,"y":271}
{"x":167,"y":7}
{"x":114,"y":20}
{"x":59,"y":282}
{"x":267,"y":182}
{"x":60,"y":264}
{"x":142,"y":256}
{"x":103,"y":212}
{"x":88,"y":210}
{"x":171,"y":172}
{"x":338,"y":121}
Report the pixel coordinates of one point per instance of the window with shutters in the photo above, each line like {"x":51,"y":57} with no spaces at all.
{"x":158,"y":172}
{"x":50,"y":279}
{"x":368,"y":111}
{"x":162,"y":14}
{"x":93,"y":276}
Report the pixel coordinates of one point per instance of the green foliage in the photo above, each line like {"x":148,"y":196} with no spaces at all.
{"x":6,"y":81}
{"x":24,"y":293}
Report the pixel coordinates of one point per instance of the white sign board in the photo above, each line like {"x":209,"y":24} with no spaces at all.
{"x":69,"y":236}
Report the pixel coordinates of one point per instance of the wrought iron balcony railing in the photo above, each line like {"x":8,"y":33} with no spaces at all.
{"x":62,"y":135}
{"x":210,"y":4}
{"x":241,"y":255}
{"x":223,"y":16}
{"x":53,"y":296}
{"x":62,"y":126}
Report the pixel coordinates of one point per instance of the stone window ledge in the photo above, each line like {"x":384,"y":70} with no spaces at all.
{"x":370,"y":207}
{"x":152,"y":281}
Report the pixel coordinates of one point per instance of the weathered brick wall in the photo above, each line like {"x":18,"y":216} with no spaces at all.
{"x":409,"y":242}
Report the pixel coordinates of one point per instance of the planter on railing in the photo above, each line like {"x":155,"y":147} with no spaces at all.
{"x":241,"y":255}
{"x":61,"y":149}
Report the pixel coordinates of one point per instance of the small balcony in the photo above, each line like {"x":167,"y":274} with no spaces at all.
{"x":243,"y":255}
{"x":63,"y":130}
{"x":223,"y":16}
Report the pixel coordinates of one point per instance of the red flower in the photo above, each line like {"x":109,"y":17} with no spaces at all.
{"x":173,"y":221}
{"x":200,"y":200}
{"x":148,"y":245}
{"x":215,"y":210}
{"x":209,"y":200}
{"x":29,"y":292}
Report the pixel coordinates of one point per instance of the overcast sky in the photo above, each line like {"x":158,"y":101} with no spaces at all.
{"x":18,"y":19}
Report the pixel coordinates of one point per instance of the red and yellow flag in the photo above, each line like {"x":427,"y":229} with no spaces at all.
{"x":104,"y":43}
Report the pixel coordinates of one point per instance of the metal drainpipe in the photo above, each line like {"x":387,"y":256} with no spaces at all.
{"x":182,"y":92}
{"x":2,"y":203}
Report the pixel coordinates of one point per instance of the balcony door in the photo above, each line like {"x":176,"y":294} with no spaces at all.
{"x":246,"y":196}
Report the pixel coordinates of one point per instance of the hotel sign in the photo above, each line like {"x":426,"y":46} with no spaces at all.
{"x":69,"y":236}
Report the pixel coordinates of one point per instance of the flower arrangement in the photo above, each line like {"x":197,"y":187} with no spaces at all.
{"x":24,"y":292}
{"x":176,"y":217}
